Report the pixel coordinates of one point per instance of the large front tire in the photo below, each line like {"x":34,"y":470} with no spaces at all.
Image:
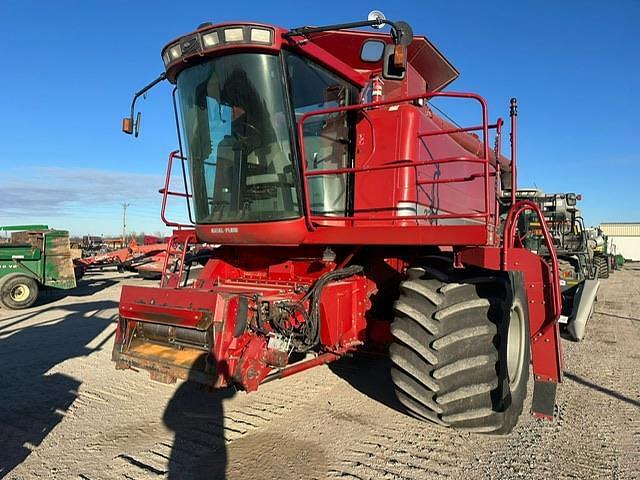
{"x":461,"y":352}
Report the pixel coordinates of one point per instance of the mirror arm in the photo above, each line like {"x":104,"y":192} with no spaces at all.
{"x":304,"y":31}
{"x":144,"y":90}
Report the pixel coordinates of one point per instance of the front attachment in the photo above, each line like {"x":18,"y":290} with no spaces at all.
{"x":169,"y":335}
{"x":240,"y":332}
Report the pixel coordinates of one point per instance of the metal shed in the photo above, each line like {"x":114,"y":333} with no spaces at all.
{"x":624,"y":239}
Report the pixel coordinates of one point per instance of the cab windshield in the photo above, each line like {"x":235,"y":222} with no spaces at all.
{"x":237,"y":139}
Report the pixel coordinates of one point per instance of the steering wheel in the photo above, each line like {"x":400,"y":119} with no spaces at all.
{"x":253,"y":132}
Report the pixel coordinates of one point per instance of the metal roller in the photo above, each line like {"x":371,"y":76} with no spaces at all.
{"x":170,"y":335}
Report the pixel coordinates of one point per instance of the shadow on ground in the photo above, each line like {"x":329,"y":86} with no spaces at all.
{"x":86,"y":286}
{"x":371,"y":375}
{"x":196,"y":415}
{"x":622,"y":317}
{"x":607,"y":391}
{"x":33,"y":400}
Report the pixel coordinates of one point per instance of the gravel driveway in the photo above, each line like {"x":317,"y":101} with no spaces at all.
{"x":66,"y":413}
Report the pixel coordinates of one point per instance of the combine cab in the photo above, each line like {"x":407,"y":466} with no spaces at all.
{"x":347,"y":216}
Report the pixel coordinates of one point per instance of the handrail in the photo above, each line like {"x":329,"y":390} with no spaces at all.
{"x":485,"y":159}
{"x":401,"y":218}
{"x":456,"y":130}
{"x":172,"y":251}
{"x":166,"y":192}
{"x":393,"y":166}
{"x":508,"y":243}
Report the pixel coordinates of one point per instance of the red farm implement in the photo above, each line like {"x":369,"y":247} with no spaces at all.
{"x":128,"y":258}
{"x":346,"y":215}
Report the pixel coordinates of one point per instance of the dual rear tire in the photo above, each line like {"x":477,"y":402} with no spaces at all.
{"x":461,"y":353}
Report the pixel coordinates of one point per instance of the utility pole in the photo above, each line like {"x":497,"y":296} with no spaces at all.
{"x":124,"y":223}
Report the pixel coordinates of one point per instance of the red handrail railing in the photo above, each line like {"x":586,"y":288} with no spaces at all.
{"x":510,"y":226}
{"x":484,"y":160}
{"x":180,"y":256}
{"x":456,"y":130}
{"x":166,"y":192}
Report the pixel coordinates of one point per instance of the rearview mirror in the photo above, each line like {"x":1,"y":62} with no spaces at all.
{"x":395,"y":62}
{"x":130,"y":127}
{"x":136,"y":126}
{"x":405,"y":33}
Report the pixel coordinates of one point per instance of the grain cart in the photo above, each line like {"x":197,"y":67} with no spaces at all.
{"x":349,"y":216}
{"x":578,"y":274}
{"x":36,"y":256}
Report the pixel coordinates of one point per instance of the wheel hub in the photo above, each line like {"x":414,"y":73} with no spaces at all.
{"x":20,"y":292}
{"x":516,"y":345}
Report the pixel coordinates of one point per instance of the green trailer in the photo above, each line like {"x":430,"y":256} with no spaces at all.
{"x":35,"y":256}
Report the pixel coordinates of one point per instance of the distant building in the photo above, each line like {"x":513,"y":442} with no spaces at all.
{"x":624,"y":239}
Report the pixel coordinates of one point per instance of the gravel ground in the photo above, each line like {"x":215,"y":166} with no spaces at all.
{"x":66,"y":413}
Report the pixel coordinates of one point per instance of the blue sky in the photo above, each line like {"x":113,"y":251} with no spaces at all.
{"x":70,"y":68}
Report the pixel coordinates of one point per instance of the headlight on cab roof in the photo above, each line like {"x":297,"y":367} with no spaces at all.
{"x":233,"y":35}
{"x":260,"y":35}
{"x":210,"y":39}
{"x":215,"y":38}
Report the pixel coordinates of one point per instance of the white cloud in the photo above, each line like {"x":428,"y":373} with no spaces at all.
{"x":43,"y":190}
{"x":84,"y":199}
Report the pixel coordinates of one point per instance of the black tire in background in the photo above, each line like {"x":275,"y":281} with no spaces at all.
{"x":461,"y":352}
{"x":602,"y":266}
{"x":18,"y":291}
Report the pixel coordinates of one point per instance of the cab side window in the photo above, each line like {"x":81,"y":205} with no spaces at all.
{"x":326,"y":137}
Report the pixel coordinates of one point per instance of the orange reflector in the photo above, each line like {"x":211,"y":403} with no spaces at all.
{"x":127,"y":125}
{"x":400,"y":56}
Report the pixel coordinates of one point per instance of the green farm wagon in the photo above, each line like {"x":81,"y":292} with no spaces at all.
{"x":35,"y":256}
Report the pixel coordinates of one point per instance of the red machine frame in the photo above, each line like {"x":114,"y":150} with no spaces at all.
{"x":544,"y":304}
{"x":218,"y":300}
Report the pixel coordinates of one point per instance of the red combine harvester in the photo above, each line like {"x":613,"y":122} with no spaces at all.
{"x":349,"y":216}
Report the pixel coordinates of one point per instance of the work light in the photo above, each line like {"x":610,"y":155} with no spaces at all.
{"x":260,"y":35}
{"x":210,"y":39}
{"x":233,"y":35}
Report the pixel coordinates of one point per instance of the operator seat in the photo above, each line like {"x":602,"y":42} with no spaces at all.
{"x":275,"y":162}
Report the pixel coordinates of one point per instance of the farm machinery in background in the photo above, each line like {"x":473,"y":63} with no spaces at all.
{"x":575,"y":249}
{"x":604,"y":255}
{"x":130,"y":258}
{"x":35,"y":257}
{"x":348,"y":216}
{"x":195,"y":259}
{"x":92,"y":245}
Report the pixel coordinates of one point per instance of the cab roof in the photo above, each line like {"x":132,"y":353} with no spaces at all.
{"x":345,"y":46}
{"x":426,"y":59}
